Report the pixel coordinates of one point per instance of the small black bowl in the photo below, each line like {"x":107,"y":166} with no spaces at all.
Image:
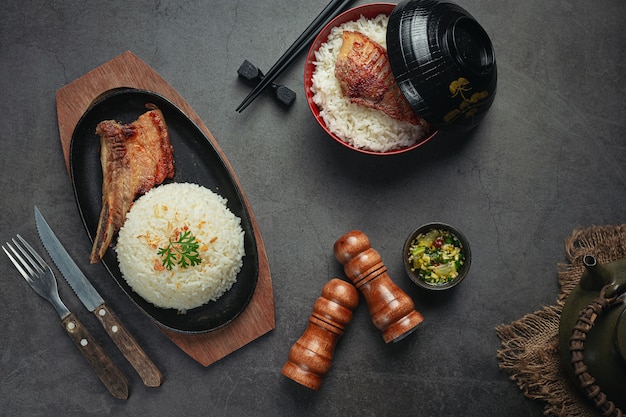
{"x":443,"y":61}
{"x":465,"y":249}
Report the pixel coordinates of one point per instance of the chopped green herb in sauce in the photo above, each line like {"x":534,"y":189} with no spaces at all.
{"x":436,"y":256}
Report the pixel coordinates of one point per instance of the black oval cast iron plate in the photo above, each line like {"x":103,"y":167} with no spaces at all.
{"x":196,"y":161}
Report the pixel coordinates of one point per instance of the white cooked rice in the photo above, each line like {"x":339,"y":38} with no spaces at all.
{"x":149,"y":225}
{"x":359,"y":126}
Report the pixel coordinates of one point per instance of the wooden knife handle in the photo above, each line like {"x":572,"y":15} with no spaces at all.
{"x":109,"y":374}
{"x":127,"y":344}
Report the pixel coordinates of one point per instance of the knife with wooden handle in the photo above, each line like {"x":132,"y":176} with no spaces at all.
{"x":147,"y":370}
{"x":41,"y":279}
{"x":127,"y":344}
{"x":106,"y":370}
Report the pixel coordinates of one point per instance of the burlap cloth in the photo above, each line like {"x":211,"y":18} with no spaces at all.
{"x":530,"y":345}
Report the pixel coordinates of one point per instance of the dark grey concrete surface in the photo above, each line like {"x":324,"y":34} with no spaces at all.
{"x":548,"y":158}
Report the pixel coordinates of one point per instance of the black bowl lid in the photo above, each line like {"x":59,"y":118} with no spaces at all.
{"x":443,"y":61}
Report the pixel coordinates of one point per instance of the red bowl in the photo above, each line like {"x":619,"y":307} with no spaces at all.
{"x":369,"y":11}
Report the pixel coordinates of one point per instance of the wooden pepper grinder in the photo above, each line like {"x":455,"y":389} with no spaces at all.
{"x":311,"y":356}
{"x":391,"y":309}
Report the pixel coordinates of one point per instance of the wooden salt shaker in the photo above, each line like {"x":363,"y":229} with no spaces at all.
{"x":311,"y":356}
{"x":391,"y":309}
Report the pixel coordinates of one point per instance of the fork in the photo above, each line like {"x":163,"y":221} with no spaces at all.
{"x":41,"y":278}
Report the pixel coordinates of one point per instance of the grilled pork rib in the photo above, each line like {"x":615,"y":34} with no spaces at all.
{"x":365,"y":76}
{"x":135,"y":157}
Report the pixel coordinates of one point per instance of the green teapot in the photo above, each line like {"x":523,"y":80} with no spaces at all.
{"x":592,"y":334}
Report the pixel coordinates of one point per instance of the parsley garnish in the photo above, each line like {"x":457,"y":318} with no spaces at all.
{"x":183,"y":251}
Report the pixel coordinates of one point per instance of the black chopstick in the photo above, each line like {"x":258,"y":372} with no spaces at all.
{"x":330,"y":12}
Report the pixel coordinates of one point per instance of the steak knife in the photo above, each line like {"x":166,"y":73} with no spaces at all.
{"x":90,"y":298}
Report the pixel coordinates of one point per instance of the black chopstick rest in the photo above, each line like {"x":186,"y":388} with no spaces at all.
{"x":331,"y":10}
{"x":253,"y":75}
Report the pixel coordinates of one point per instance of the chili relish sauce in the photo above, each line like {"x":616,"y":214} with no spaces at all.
{"x":436,"y":256}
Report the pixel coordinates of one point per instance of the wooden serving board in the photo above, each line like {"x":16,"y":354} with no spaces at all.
{"x":127,"y":70}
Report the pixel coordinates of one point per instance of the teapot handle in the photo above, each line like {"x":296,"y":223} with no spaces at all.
{"x":586,"y":320}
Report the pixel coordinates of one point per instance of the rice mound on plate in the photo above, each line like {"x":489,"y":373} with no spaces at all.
{"x":154,"y":220}
{"x":359,"y":126}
